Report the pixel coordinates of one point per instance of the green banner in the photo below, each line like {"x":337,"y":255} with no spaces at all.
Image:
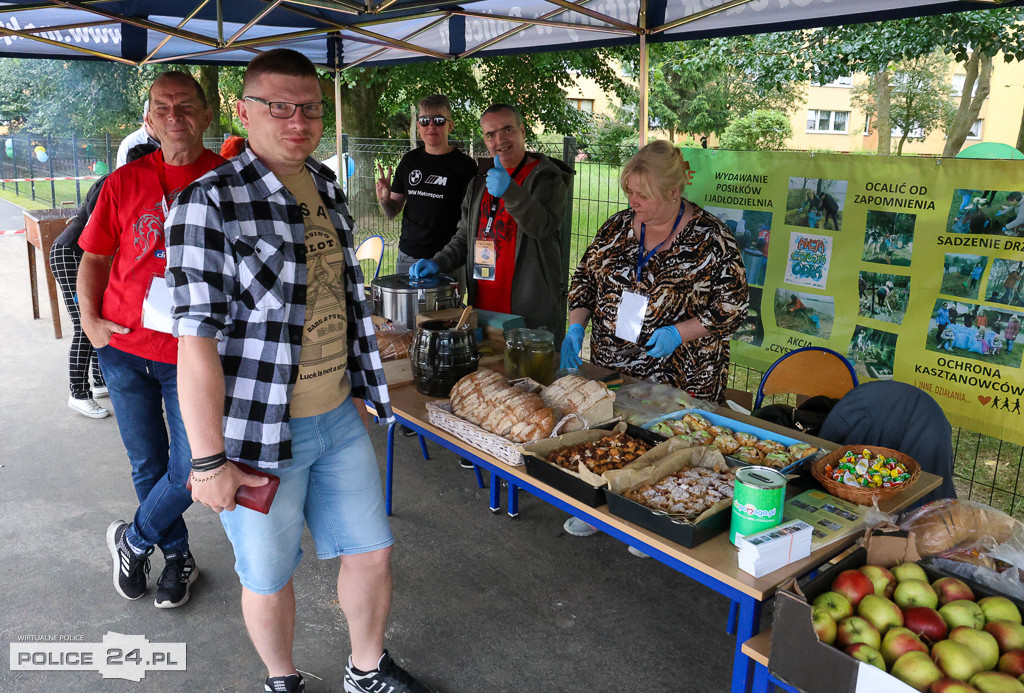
{"x":910,"y":267}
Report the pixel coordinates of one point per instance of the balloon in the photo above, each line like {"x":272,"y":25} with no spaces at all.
{"x":10,"y":152}
{"x":351,"y":166}
{"x":39,"y":148}
{"x":100,"y":168}
{"x":42,"y":155}
{"x":9,"y":143}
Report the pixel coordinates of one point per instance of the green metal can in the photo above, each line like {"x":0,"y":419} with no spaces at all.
{"x":757,"y":500}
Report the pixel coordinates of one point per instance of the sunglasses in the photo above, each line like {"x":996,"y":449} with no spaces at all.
{"x":438,"y":120}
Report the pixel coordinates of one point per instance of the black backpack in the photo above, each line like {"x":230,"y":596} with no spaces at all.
{"x":807,"y":417}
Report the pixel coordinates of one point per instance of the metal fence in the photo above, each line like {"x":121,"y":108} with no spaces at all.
{"x":985,"y":469}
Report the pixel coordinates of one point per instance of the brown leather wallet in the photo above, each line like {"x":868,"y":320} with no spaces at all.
{"x":258,"y":498}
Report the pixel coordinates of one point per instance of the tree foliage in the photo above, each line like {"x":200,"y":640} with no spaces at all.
{"x":758,"y":130}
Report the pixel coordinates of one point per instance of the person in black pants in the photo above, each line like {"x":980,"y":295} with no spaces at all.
{"x":65,"y":256}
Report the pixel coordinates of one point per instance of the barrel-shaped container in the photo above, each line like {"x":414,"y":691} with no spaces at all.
{"x":441,"y":356}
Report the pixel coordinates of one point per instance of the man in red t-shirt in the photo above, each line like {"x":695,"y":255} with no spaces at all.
{"x":125,"y":306}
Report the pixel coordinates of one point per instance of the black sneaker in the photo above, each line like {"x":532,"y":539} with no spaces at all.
{"x":130,"y":569}
{"x":465,"y":464}
{"x":388,"y":678}
{"x":292,"y":683}
{"x":173,"y":586}
{"x":407,"y":432}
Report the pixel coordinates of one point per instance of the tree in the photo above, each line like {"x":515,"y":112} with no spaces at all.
{"x":209,"y":80}
{"x":758,"y":130}
{"x":918,"y":91}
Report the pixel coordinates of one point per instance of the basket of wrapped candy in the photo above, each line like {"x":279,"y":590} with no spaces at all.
{"x":861,"y":473}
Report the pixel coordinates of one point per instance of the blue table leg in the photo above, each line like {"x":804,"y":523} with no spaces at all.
{"x":495,"y":493}
{"x":479,"y":477}
{"x":513,"y":500}
{"x":761,"y":683}
{"x":423,"y":447}
{"x":747,"y":625}
{"x":730,"y":625}
{"x":390,"y":468}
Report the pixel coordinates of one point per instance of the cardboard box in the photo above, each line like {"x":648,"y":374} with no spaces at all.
{"x":809,"y":665}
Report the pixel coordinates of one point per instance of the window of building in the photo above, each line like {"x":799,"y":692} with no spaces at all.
{"x":585,"y":105}
{"x":958,"y":85}
{"x":975,"y":131}
{"x":828,"y":121}
{"x":846,"y":81}
{"x":916,"y":133}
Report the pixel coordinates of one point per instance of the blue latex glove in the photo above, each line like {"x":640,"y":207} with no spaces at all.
{"x":571,"y":346}
{"x":423,"y":268}
{"x":498,"y":179}
{"x":664,"y":341}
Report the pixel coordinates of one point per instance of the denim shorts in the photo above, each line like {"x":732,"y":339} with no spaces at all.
{"x":332,"y":485}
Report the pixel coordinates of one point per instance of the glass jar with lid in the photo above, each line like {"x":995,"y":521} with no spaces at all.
{"x":530,"y":354}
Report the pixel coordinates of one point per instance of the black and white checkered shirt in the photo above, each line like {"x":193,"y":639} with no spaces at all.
{"x":236,"y":265}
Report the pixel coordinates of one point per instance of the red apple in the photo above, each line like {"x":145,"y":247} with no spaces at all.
{"x":835,"y":605}
{"x":980,"y":642}
{"x":880,"y":612}
{"x":926,"y":623}
{"x":952,"y":686}
{"x":856,"y":629}
{"x":854,"y":585}
{"x":956,"y":661}
{"x":996,"y":682}
{"x":909,"y":571}
{"x":824,"y":625}
{"x":962,"y":612}
{"x":1012,"y":663}
{"x":915,"y":593}
{"x":951,"y":589}
{"x":882,"y":579}
{"x":1008,"y":634}
{"x":862,"y":652}
{"x":916,"y":670}
{"x":899,"y":641}
{"x":999,"y":609}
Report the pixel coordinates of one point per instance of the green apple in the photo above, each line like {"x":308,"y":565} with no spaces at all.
{"x":880,"y":612}
{"x":980,"y":642}
{"x":909,"y":571}
{"x":916,"y":670}
{"x":824,"y":625}
{"x":883,"y":580}
{"x":952,"y":686}
{"x":864,"y":653}
{"x":915,"y":593}
{"x":999,"y":609}
{"x":996,"y":682}
{"x":1008,"y":634}
{"x":950,"y":589}
{"x":899,"y":641}
{"x":956,"y":661}
{"x":855,"y":629}
{"x":835,"y":605}
{"x":962,"y":612}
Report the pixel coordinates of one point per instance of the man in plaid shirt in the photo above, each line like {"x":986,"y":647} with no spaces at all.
{"x":275,"y":346}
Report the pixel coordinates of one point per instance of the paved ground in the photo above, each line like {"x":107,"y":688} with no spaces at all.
{"x":482,"y":602}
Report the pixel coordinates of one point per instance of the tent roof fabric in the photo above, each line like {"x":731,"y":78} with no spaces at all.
{"x":343,"y":33}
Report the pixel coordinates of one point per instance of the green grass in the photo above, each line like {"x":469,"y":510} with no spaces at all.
{"x":63,"y":191}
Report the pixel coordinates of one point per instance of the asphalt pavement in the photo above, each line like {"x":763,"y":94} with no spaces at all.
{"x":482,"y":602}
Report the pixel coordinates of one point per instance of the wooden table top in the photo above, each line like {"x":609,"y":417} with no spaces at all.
{"x":715,"y":557}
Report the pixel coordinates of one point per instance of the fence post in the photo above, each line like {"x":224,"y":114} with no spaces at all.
{"x":31,"y":173}
{"x":14,"y":164}
{"x":78,"y":183}
{"x":343,"y":165}
{"x":49,"y":160}
{"x":569,"y":152}
{"x":107,"y":138}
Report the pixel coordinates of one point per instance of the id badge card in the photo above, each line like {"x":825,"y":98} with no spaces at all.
{"x":630,"y":318}
{"x":484,"y":260}
{"x":156,"y":306}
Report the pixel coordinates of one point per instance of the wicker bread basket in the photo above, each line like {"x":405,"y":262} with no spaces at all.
{"x":857,"y":494}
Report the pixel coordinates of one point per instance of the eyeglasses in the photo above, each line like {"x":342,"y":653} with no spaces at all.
{"x":285,"y":110}
{"x":438,"y":120}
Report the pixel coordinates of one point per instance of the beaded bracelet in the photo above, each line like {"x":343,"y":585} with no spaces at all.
{"x":212,"y":476}
{"x":208,"y":464}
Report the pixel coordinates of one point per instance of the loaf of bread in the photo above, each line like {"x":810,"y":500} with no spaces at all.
{"x":486,"y":399}
{"x":575,"y":395}
{"x":948,"y":524}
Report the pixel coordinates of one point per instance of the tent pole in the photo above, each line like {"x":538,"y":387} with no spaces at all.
{"x":342,"y":168}
{"x":643,"y":87}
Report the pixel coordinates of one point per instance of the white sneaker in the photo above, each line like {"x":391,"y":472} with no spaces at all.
{"x":100,"y":391}
{"x":637,"y":552}
{"x":578,"y":528}
{"x":88,"y":407}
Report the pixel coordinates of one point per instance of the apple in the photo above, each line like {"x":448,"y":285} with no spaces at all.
{"x":882,"y":579}
{"x":863,"y":653}
{"x":824,"y":625}
{"x":1012,"y":663}
{"x":1008,"y":634}
{"x":880,"y":612}
{"x":999,"y":609}
{"x":916,"y":670}
{"x":854,"y":584}
{"x":856,"y":629}
{"x":835,"y":605}
{"x":962,"y":612}
{"x":915,"y":593}
{"x":995,"y":682}
{"x":952,"y":686}
{"x":950,"y":589}
{"x":925,"y":622}
{"x":899,"y":641}
{"x":980,"y":642}
{"x":955,"y":660}
{"x":908,"y":571}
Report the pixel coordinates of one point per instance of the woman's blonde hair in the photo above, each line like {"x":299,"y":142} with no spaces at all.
{"x":658,"y":167}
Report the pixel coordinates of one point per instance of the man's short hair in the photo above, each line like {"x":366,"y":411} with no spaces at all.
{"x":436,"y":102}
{"x":183,"y":77}
{"x":280,"y":61}
{"x":499,"y":107}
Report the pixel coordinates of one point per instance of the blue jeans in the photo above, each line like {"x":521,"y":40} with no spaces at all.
{"x":141,"y":391}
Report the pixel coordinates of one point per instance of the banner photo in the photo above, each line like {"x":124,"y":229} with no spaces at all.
{"x":910,"y":267}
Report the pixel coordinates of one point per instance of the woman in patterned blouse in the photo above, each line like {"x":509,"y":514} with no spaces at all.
{"x":664,"y":274}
